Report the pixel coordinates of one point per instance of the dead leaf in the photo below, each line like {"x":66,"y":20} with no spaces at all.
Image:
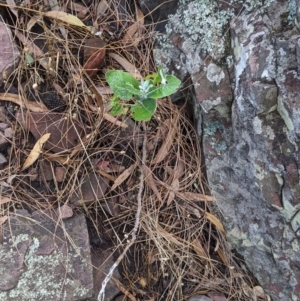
{"x":65,"y":131}
{"x":259,"y":292}
{"x":192,"y":196}
{"x":3,"y":219}
{"x":196,"y":245}
{"x":64,"y":17}
{"x":172,"y":191}
{"x":214,"y":220}
{"x":114,"y":120}
{"x":134,"y":32}
{"x":94,"y":54}
{"x":102,"y":7}
{"x":24,"y":103}
{"x":82,"y":10}
{"x":4,"y":199}
{"x":36,"y":151}
{"x":64,"y":211}
{"x":167,"y":144}
{"x":222,"y":256}
{"x":126,"y":65}
{"x":123,"y":176}
{"x":37,"y":52}
{"x":151,"y":182}
{"x":12,"y":6}
{"x":32,"y":22}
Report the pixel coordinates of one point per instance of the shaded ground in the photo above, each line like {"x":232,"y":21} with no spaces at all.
{"x":105,"y":167}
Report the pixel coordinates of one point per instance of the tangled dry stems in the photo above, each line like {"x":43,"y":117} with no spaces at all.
{"x":178,"y":252}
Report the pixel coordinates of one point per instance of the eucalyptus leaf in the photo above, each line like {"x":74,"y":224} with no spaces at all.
{"x":143,"y":110}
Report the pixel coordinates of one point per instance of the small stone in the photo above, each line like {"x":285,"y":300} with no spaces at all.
{"x":199,"y":298}
{"x":3,"y":161}
{"x":8,"y":133}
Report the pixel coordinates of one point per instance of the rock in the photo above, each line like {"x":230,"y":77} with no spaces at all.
{"x":248,"y":117}
{"x":102,"y":262}
{"x":199,"y":298}
{"x":38,"y":262}
{"x":3,"y":161}
{"x":10,"y":54}
{"x":157,"y":11}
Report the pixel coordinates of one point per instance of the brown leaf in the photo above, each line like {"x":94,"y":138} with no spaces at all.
{"x":151,"y":182}
{"x":65,"y":17}
{"x":167,"y":144}
{"x":65,"y":211}
{"x":3,"y":219}
{"x":36,"y":151}
{"x":172,"y":191}
{"x":214,"y":220}
{"x":65,"y":132}
{"x":192,"y":196}
{"x":196,"y":245}
{"x":123,"y":176}
{"x":134,"y":32}
{"x":126,"y":65}
{"x":222,"y":256}
{"x":4,"y":199}
{"x":24,"y":103}
{"x":94,"y":54}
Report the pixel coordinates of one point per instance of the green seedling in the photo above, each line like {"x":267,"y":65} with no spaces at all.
{"x":143,"y":93}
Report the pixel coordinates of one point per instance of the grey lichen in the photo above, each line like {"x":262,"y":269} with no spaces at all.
{"x":202,"y":25}
{"x":39,"y":281}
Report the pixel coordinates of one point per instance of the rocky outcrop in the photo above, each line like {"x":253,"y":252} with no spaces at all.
{"x":248,"y":117}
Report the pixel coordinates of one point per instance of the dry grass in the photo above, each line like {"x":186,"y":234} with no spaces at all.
{"x":178,"y":251}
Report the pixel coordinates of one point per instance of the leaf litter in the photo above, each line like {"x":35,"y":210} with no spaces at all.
{"x":180,"y":250}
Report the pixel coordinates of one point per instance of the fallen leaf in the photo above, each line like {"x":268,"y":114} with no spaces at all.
{"x":12,"y":6}
{"x":151,"y":182}
{"x":172,"y":191}
{"x":65,"y":211}
{"x":36,"y":151}
{"x":214,"y":220}
{"x":196,"y":245}
{"x":167,"y":144}
{"x":123,"y":176}
{"x":192,"y":196}
{"x":4,"y":199}
{"x":102,"y":7}
{"x":131,"y":69}
{"x":134,"y":32}
{"x":65,"y":17}
{"x":222,"y":256}
{"x":65,"y":131}
{"x":259,"y":292}
{"x":94,"y":54}
{"x":24,"y":103}
{"x":3,"y":219}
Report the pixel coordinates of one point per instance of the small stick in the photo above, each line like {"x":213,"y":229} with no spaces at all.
{"x":101,"y":295}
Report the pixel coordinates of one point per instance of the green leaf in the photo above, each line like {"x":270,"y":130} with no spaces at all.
{"x":171,"y":86}
{"x":116,"y":107}
{"x":122,"y":83}
{"x":143,"y":110}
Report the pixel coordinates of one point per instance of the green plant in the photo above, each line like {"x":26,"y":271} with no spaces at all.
{"x":144,"y":93}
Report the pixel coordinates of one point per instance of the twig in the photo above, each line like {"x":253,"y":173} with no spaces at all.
{"x":101,"y":295}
